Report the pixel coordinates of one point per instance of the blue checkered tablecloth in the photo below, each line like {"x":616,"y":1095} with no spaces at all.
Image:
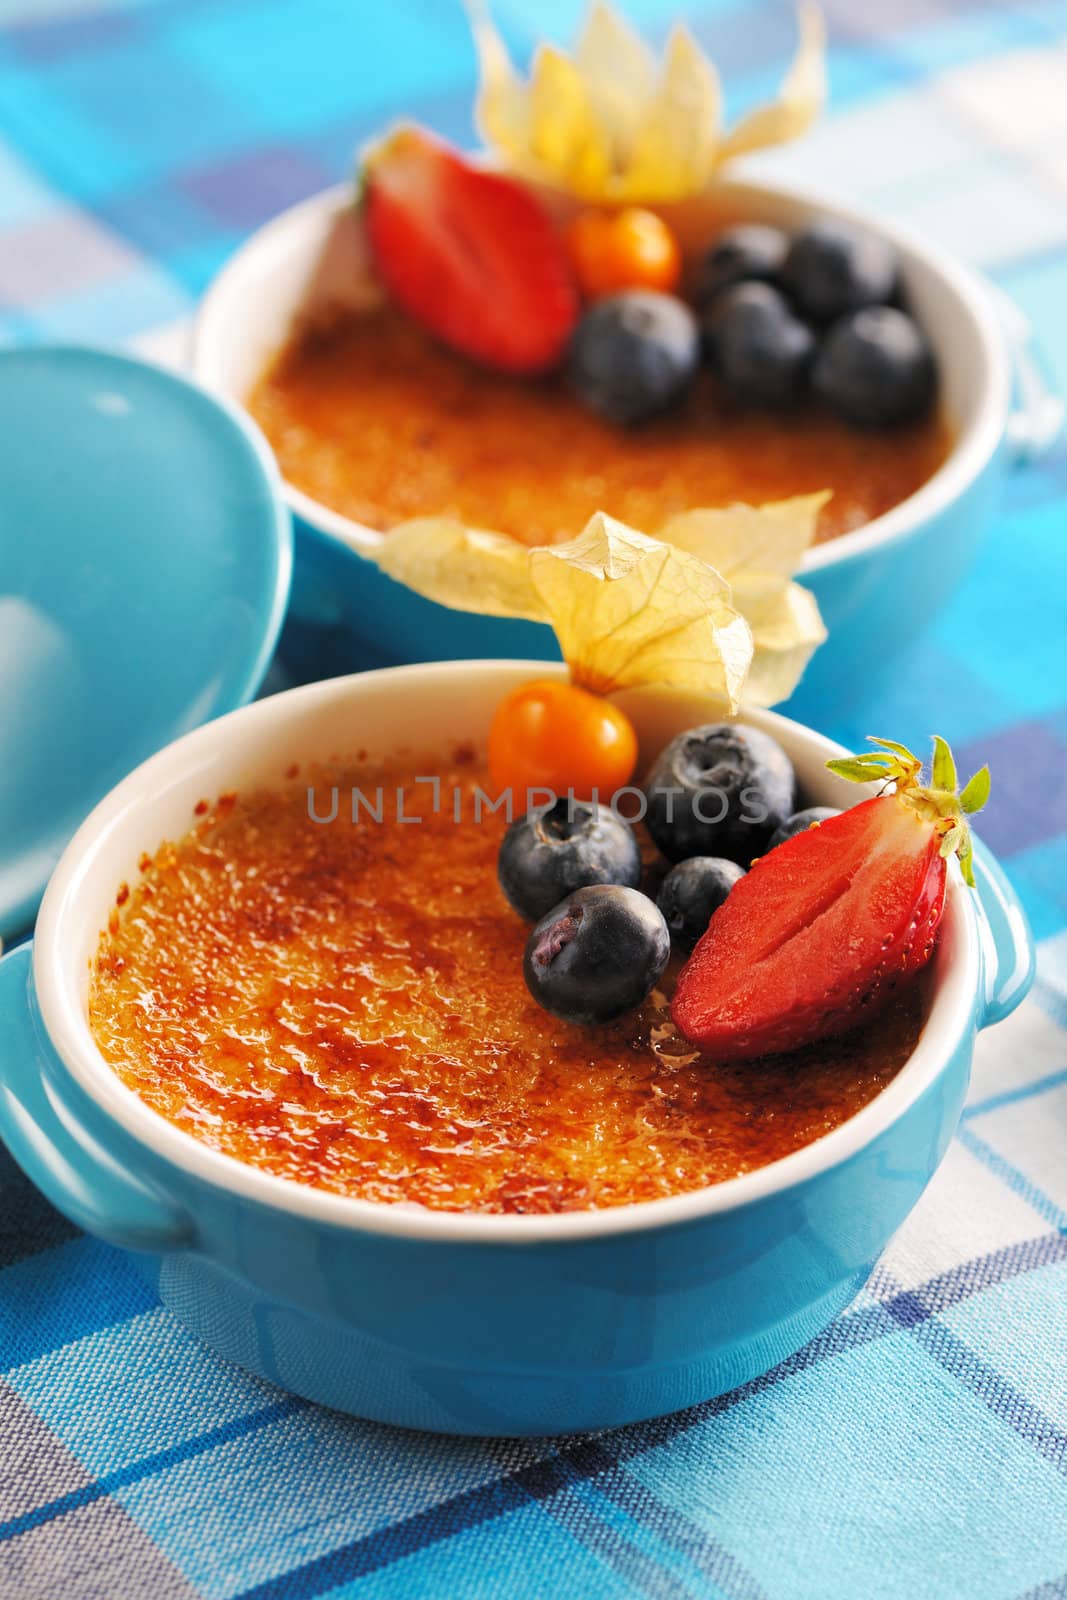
{"x":919,"y":1447}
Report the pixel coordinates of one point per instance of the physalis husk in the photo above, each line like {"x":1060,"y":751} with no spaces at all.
{"x":610,"y":123}
{"x":709,"y":606}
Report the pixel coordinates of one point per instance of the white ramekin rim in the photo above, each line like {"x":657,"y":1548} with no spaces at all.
{"x":58,"y":975}
{"x":973,"y":449}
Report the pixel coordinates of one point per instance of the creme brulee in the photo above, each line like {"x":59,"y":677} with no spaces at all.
{"x":343,"y":1004}
{"x":374,"y":419}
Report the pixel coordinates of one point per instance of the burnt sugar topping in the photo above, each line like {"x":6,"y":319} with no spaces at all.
{"x":344,"y":1005}
{"x":380,"y":422}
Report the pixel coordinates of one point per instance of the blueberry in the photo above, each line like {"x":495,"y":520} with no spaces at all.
{"x":691,"y":891}
{"x":634,"y":354}
{"x":547,"y":854}
{"x":875,"y":368}
{"x":720,"y":790}
{"x":800,"y":822}
{"x":596,"y":954}
{"x":750,"y":252}
{"x":832,"y":268}
{"x":760,"y":350}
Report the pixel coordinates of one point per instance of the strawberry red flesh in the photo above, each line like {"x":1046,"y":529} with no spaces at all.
{"x":469,"y":255}
{"x":811,"y":941}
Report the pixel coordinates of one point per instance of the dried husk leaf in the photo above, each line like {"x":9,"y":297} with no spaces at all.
{"x":630,"y":611}
{"x":619,"y":71}
{"x":787,"y":633}
{"x":674,"y":151}
{"x":469,"y":569}
{"x":800,"y":99}
{"x":756,"y":548}
{"x":566,"y":137}
{"x":604,"y":125}
{"x":702,"y":606}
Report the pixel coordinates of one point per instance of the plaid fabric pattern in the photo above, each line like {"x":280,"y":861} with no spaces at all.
{"x":919,"y":1446}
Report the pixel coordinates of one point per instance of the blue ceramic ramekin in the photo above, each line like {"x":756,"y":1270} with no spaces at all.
{"x":469,"y":1323}
{"x":145,"y":560}
{"x":882,"y":581}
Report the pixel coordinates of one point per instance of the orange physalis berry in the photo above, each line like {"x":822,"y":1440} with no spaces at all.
{"x":551,"y":735}
{"x":629,"y":249}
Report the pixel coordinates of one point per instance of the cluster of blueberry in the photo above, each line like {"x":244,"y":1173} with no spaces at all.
{"x":777,"y":318}
{"x":717,"y":797}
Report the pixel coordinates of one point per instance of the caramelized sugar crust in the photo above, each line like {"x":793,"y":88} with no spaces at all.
{"x":374,"y":419}
{"x":344,"y":1005}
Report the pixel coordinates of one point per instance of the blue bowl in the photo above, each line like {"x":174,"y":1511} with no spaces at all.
{"x":466,"y":1323}
{"x":885,"y":580}
{"x":145,"y":556}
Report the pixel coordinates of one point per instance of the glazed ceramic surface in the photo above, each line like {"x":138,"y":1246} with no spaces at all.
{"x":898,"y":570}
{"x":145,"y":557}
{"x":482,"y":1324}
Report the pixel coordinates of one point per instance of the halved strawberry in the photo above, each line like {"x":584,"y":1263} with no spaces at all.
{"x":814,"y":937}
{"x":468,"y":254}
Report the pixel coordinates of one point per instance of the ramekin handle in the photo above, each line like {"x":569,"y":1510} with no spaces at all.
{"x":1036,"y":420}
{"x":1007,"y":943}
{"x":71,"y":1169}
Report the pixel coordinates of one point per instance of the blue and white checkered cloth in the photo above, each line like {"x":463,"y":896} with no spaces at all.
{"x":918,"y":1449}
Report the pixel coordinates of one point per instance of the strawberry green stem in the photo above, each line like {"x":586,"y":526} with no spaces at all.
{"x":940,"y":802}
